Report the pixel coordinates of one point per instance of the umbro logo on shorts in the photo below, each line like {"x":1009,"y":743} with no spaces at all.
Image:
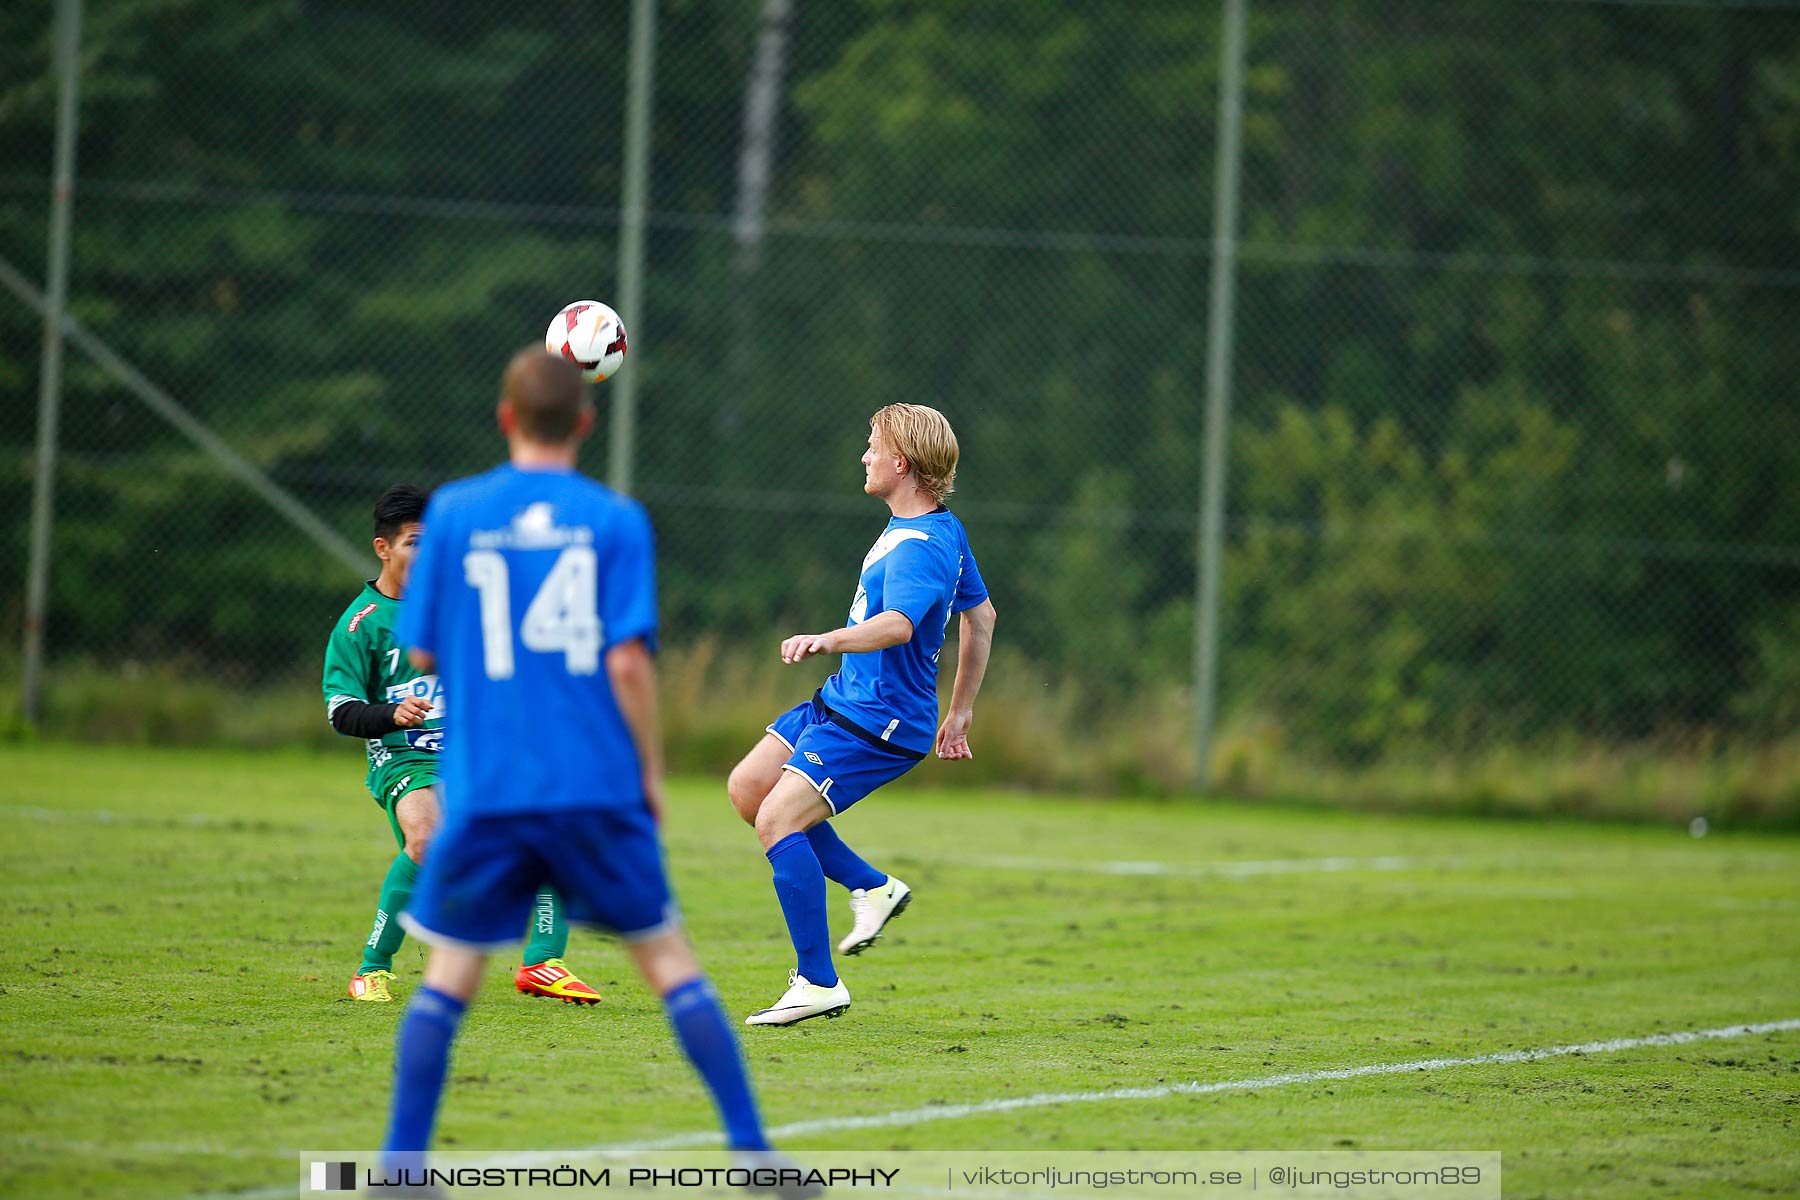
{"x":814,"y":759}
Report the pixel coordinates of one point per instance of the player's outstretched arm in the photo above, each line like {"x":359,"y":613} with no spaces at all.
{"x":975,"y":640}
{"x":877,"y":633}
{"x":632,"y":671}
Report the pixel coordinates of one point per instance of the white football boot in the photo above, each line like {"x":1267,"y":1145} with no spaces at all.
{"x":873,"y":909}
{"x":802,"y":1001}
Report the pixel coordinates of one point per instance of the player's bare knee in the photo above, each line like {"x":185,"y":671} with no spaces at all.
{"x":455,"y":971}
{"x":771,"y":828}
{"x":788,"y":809}
{"x":746,"y":792}
{"x":417,"y":813}
{"x":417,"y":835}
{"x":666,"y":961}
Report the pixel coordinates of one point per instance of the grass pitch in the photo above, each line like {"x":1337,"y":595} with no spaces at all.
{"x":179,"y":927}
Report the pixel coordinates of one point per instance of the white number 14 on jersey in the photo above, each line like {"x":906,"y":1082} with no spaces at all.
{"x":564,"y":615}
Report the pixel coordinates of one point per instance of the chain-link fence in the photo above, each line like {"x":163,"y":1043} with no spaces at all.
{"x":1514,"y":425}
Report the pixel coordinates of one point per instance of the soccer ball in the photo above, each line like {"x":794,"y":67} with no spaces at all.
{"x":590,"y":335}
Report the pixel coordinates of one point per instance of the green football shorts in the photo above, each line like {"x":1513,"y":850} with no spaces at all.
{"x":397,"y":776}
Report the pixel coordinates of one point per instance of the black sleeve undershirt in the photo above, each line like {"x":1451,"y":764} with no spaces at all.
{"x":358,"y":718}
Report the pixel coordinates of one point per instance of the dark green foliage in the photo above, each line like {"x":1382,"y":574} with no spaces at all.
{"x":1514,"y":438}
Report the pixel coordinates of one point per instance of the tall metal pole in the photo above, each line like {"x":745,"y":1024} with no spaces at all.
{"x":756,"y":168}
{"x":757,"y":155}
{"x":43,"y":483}
{"x":633,"y":207}
{"x":1211,"y":553}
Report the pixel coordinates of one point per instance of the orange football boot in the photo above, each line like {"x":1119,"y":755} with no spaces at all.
{"x":553,"y":979}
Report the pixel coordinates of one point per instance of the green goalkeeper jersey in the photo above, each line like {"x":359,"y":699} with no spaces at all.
{"x":364,"y":662}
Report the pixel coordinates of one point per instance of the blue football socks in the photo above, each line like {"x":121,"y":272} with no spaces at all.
{"x":700,"y":1026}
{"x":421,"y":1060}
{"x":800,"y":885}
{"x":841,"y":864}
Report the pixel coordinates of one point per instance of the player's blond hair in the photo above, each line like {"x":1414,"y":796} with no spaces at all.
{"x":923,"y":437}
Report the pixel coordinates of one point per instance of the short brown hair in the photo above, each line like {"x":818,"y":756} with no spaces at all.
{"x":546,"y":393}
{"x":923,"y":437}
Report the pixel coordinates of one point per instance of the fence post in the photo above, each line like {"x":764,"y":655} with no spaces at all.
{"x":1210,"y":557}
{"x":757,"y":152}
{"x":43,"y":482}
{"x":635,"y":190}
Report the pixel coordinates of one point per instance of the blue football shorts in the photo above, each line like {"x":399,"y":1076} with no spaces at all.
{"x":483,"y":873}
{"x":843,"y":762}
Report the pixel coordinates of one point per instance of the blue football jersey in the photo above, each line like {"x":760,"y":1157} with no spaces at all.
{"x":524,"y":580}
{"x":922,"y":567}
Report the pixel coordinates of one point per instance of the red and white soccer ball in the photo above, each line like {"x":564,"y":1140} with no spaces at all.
{"x":590,"y":335}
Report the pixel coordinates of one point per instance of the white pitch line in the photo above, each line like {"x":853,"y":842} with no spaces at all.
{"x":1224,"y":869}
{"x":951,"y":1112}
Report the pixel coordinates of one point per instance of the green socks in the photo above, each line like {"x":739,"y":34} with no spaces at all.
{"x":396,"y":891}
{"x":548,"y":935}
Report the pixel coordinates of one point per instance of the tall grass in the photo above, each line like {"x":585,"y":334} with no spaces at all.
{"x":1032,"y":731}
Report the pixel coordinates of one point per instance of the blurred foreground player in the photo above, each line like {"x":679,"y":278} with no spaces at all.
{"x":534,"y":599}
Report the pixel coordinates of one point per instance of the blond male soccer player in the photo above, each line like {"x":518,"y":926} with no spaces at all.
{"x":534,"y":597}
{"x":873,"y":719}
{"x":372,"y":692}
